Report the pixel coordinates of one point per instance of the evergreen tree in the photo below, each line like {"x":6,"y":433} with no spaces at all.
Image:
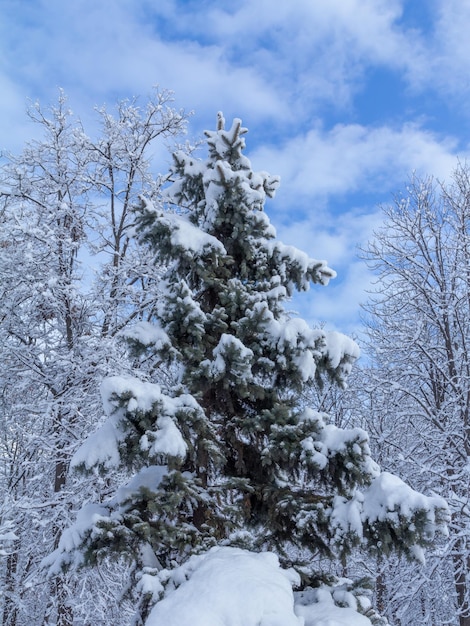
{"x":228,"y":453}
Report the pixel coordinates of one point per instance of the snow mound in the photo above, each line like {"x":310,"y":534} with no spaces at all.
{"x":229,"y":587}
{"x":324,"y":612}
{"x":234,"y":587}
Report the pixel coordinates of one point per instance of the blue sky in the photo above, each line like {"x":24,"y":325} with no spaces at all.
{"x":343,"y":98}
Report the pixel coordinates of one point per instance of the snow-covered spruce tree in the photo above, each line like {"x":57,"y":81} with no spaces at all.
{"x":227,"y":455}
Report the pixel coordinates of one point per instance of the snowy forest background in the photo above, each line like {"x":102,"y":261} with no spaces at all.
{"x":90,"y":232}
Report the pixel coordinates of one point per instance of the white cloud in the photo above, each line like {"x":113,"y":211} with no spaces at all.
{"x":322,"y":166}
{"x":334,"y":240}
{"x":319,"y":49}
{"x":245,"y":58}
{"x":449,"y":64}
{"x":95,"y":52}
{"x":338,"y":241}
{"x":350,"y":158}
{"x":11,"y":103}
{"x":338,"y":304}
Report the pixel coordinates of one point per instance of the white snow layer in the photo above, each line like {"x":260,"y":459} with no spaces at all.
{"x":148,"y":335}
{"x":7,"y":536}
{"x":310,"y":344}
{"x":147,"y":478}
{"x":340,"y":346}
{"x":189,"y":237}
{"x":183,"y":234}
{"x":234,"y":587}
{"x":230,"y":356}
{"x":331,"y":440}
{"x":68,"y":551}
{"x":101,"y":447}
{"x":321,"y":610}
{"x":389,"y":499}
{"x":296,"y":258}
{"x":127,"y":395}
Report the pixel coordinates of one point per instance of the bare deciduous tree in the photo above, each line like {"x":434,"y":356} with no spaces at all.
{"x":418,"y":324}
{"x":68,"y":285}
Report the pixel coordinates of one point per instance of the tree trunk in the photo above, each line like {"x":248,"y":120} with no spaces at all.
{"x":461,"y":567}
{"x":59,"y":588}
{"x":64,"y":609}
{"x":10,"y":609}
{"x":380,"y":589}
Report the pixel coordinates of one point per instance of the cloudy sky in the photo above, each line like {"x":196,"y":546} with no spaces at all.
{"x":343,"y":98}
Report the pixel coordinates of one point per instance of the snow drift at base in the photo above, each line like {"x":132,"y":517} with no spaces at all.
{"x":234,"y":587}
